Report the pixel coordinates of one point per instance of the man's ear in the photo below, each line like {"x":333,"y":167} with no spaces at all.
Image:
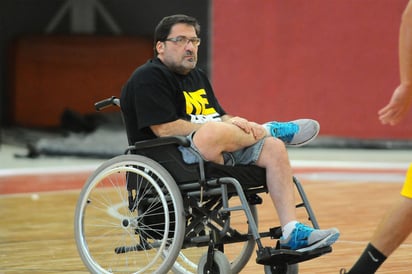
{"x":160,"y":46}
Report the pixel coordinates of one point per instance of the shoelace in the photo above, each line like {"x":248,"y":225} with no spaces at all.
{"x":302,"y":229}
{"x":285,"y":131}
{"x":300,"y":236}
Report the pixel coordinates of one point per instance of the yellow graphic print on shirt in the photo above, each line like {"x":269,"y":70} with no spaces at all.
{"x":197,"y":107}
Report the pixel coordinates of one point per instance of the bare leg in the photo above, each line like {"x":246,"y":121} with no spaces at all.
{"x":394,"y":228}
{"x":275,"y":159}
{"x":390,"y":233}
{"x":214,"y":138}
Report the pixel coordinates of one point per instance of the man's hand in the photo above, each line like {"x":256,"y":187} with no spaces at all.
{"x":253,"y":128}
{"x":398,"y":106}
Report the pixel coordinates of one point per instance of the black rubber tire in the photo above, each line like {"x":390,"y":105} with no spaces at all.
{"x":221,"y":264}
{"x":282,"y":269}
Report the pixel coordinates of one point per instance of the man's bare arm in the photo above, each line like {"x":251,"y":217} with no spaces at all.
{"x":178,"y":127}
{"x":401,"y":100}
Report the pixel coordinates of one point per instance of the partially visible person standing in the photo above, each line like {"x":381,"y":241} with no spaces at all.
{"x":397,"y":225}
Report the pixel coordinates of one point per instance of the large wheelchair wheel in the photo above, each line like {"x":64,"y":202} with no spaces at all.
{"x":238,"y":249}
{"x":129,"y":218}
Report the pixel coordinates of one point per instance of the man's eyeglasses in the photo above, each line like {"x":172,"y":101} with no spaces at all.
{"x":183,"y":40}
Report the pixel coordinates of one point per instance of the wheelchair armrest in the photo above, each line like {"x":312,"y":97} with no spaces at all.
{"x":164,"y":151}
{"x":162,"y":141}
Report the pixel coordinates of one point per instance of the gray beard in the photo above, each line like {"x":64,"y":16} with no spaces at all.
{"x":182,"y":69}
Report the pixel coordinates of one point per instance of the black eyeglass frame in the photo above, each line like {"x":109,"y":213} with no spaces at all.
{"x":183,"y":40}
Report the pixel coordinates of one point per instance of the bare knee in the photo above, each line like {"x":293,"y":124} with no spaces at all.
{"x":273,"y":153}
{"x":211,"y":134}
{"x":210,"y":140}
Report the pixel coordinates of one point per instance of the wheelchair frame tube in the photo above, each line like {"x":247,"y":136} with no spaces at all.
{"x":245,"y":206}
{"x":306,"y":203}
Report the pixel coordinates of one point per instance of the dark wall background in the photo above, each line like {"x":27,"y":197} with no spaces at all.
{"x":20,"y":18}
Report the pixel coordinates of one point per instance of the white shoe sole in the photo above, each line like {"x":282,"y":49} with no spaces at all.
{"x":331,"y":239}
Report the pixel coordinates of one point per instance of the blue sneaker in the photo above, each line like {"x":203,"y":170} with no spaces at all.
{"x":294,"y":133}
{"x":304,"y":238}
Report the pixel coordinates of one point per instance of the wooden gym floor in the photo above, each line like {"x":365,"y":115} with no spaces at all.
{"x":352,"y":193}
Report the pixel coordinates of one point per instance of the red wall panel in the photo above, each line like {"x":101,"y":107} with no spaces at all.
{"x":332,"y":60}
{"x":52,"y":73}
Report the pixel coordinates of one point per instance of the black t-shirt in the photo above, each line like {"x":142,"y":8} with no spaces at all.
{"x":155,"y":95}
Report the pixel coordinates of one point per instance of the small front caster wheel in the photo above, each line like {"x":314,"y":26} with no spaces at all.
{"x":282,"y":269}
{"x":221,"y":264}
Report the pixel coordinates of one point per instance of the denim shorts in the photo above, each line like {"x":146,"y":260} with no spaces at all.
{"x":245,"y":156}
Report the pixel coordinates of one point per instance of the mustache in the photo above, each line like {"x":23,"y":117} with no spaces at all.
{"x":189,"y":53}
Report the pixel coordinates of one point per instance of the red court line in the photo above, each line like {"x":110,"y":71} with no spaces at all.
{"x":41,"y":183}
{"x":60,"y":181}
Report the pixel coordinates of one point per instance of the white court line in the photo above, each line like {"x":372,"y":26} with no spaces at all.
{"x":47,"y":170}
{"x":365,"y":242}
{"x":295,"y":164}
{"x":361,"y":171}
{"x":352,"y":177}
{"x":349,"y":164}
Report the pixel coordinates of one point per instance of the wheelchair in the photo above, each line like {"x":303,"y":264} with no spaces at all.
{"x":149,"y":212}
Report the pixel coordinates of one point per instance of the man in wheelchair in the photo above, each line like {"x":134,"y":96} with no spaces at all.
{"x":169,"y":96}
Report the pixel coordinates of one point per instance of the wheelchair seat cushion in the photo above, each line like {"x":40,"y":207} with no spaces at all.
{"x":171,"y":159}
{"x":247,"y":175}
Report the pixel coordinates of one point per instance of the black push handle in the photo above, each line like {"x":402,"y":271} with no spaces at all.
{"x":112,"y":101}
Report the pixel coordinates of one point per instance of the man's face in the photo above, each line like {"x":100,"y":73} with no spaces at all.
{"x":179,"y":52}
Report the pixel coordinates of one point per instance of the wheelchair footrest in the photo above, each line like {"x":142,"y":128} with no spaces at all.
{"x":274,"y":256}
